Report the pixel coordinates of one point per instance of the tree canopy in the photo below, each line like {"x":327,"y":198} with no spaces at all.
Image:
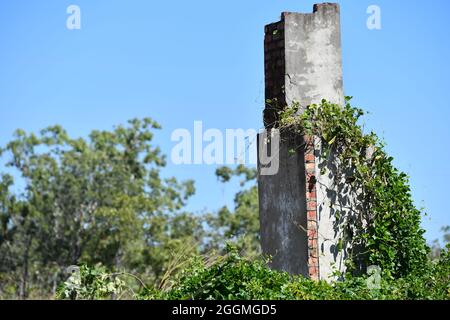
{"x":97,"y":200}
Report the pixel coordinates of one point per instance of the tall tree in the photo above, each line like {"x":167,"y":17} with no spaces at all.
{"x":96,"y":200}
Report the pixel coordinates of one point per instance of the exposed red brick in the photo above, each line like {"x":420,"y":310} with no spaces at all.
{"x":274,"y":63}
{"x":309,"y":157}
{"x":313,"y":261}
{"x":314,"y":272}
{"x":311,"y":224}
{"x":313,"y":244}
{"x":311,"y":205}
{"x":312,"y":215}
{"x":311,"y":194}
{"x":312,"y":234}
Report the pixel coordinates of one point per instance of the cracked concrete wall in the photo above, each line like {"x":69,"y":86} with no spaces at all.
{"x":336,"y":202}
{"x":310,"y":70}
{"x":283,"y":211}
{"x":313,"y":56}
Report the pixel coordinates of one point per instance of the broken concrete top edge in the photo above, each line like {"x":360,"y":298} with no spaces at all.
{"x":318,"y":7}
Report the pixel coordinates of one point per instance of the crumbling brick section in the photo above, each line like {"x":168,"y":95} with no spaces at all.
{"x":274,"y":65}
{"x":311,"y":207}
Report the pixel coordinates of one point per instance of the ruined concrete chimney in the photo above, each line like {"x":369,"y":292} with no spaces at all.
{"x":303,"y":64}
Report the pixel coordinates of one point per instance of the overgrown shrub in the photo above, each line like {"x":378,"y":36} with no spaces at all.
{"x":232,"y":277}
{"x":85,"y":283}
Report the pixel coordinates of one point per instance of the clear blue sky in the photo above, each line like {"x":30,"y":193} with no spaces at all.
{"x":180,"y":61}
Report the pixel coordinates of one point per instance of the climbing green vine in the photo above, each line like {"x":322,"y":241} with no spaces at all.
{"x":384,"y":228}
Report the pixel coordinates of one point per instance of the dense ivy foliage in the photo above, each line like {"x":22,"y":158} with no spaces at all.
{"x":387,"y":227}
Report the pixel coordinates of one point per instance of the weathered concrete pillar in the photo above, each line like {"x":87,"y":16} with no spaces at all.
{"x":302,"y":64}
